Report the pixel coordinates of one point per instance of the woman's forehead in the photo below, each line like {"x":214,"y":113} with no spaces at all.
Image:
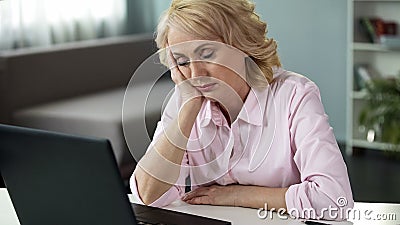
{"x":195,"y":46}
{"x":181,"y":43}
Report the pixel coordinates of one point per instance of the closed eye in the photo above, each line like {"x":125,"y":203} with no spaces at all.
{"x":182,"y":61}
{"x":207,"y":53}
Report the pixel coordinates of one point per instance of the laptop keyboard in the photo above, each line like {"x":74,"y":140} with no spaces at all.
{"x":147,"y":223}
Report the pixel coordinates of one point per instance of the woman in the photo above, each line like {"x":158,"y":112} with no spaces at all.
{"x":244,"y":130}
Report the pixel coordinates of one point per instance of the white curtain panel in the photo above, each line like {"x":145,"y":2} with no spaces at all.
{"x":26,"y":23}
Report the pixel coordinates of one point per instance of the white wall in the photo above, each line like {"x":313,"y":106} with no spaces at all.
{"x":312,"y":40}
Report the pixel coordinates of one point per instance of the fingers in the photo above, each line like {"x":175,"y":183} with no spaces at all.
{"x":213,"y":195}
{"x":201,"y":196}
{"x":186,"y":91}
{"x":176,"y":74}
{"x":197,"y":197}
{"x":201,"y":200}
{"x":202,"y":191}
{"x":170,"y":57}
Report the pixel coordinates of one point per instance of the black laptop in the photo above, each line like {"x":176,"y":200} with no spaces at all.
{"x":60,"y":179}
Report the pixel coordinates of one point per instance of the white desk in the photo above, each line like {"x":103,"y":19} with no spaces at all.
{"x":7,"y":212}
{"x":237,"y":215}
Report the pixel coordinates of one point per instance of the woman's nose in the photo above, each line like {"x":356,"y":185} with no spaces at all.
{"x":198,"y":69}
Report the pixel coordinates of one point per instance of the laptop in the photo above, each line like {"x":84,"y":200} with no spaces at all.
{"x":61,"y":179}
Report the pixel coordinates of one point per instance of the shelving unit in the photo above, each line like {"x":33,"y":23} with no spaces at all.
{"x":386,"y":61}
{"x":361,"y":46}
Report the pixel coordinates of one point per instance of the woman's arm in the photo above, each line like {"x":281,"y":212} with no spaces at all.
{"x":238,"y":195}
{"x":323,"y":173}
{"x":160,"y":167}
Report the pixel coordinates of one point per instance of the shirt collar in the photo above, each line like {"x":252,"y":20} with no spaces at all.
{"x":211,"y":112}
{"x":253,"y":109}
{"x":252,"y":112}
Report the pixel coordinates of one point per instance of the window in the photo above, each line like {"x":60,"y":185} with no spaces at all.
{"x":25,"y":23}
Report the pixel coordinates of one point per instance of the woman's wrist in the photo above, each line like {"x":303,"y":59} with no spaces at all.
{"x":259,"y":197}
{"x":188,"y":114}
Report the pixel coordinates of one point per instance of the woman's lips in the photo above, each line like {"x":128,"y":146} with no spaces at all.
{"x":205,"y":87}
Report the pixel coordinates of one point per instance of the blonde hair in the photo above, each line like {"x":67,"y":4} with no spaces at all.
{"x":238,"y":25}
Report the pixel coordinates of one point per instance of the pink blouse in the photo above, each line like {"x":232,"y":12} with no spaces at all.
{"x":281,"y":138}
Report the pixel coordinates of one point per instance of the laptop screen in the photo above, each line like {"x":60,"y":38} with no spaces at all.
{"x":56,"y":178}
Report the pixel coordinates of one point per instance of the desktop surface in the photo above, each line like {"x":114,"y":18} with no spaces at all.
{"x":238,"y":215}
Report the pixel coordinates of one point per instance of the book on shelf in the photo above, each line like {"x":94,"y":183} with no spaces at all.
{"x":369,"y":29}
{"x":391,"y":42}
{"x":374,"y":28}
{"x":390,"y":28}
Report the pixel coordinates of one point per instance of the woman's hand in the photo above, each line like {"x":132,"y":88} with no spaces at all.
{"x":238,"y":195}
{"x":214,"y":195}
{"x":186,"y":90}
{"x":159,"y":169}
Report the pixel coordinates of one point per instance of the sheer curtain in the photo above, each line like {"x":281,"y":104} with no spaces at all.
{"x":26,"y":23}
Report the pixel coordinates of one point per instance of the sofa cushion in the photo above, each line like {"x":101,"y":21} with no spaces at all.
{"x":100,"y":115}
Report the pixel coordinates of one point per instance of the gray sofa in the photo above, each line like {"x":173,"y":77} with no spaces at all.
{"x":78,"y":88}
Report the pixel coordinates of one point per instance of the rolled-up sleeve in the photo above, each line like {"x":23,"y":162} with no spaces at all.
{"x":324,"y":183}
{"x":176,"y":191}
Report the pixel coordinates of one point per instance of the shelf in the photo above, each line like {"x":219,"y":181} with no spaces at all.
{"x":359,"y":46}
{"x":359,"y":94}
{"x":372,"y":145}
{"x":382,"y":56}
{"x":376,"y":0}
